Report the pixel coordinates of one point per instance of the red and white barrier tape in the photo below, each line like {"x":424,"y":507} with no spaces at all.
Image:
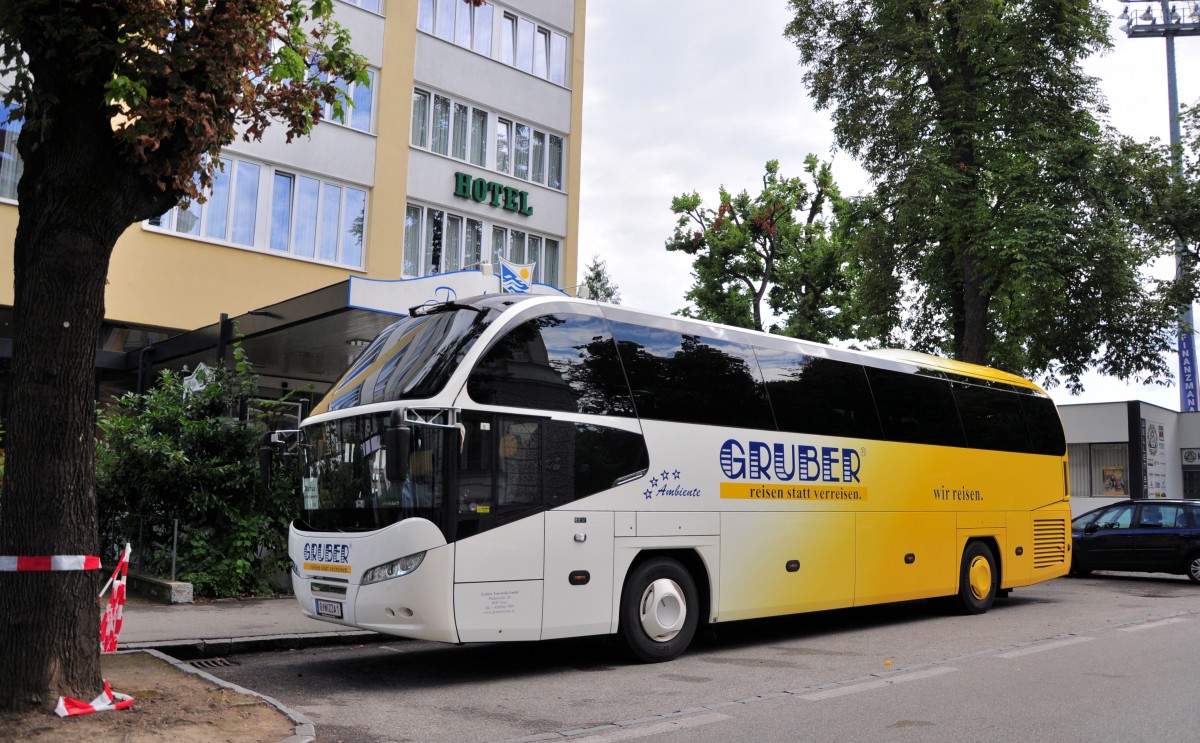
{"x":110,"y":623}
{"x":106,"y":701}
{"x":11,"y":564}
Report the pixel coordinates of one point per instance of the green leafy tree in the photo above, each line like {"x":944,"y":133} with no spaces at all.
{"x":599,"y":285}
{"x":1011,"y":223}
{"x":1178,"y":202}
{"x":192,"y":455}
{"x":125,"y":104}
{"x":774,"y":250}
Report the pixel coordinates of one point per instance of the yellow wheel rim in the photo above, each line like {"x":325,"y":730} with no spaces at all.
{"x":980,"y":577}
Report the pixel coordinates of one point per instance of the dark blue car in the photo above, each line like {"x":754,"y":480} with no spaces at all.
{"x":1145,"y":536}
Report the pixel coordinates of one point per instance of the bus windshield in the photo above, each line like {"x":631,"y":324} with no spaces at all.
{"x":411,"y":359}
{"x":344,"y":480}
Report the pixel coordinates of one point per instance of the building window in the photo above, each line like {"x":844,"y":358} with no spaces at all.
{"x":436,"y":241}
{"x":459,"y":22}
{"x":503,"y":135}
{"x":420,"y":119}
{"x":518,"y":246}
{"x":451,"y":127}
{"x":10,"y":161}
{"x":556,"y":163}
{"x":521,"y":152}
{"x":307,"y":217}
{"x":362,"y":99}
{"x":441,"y":125}
{"x":534,"y":49}
{"x":412,"y":240}
{"x":479,"y":136}
{"x":375,"y":6}
{"x":1099,"y":469}
{"x":459,"y":130}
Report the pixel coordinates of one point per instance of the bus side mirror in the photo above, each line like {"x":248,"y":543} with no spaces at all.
{"x":396,"y":441}
{"x":265,"y":453}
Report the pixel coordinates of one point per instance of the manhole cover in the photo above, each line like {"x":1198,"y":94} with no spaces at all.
{"x":213,"y":663}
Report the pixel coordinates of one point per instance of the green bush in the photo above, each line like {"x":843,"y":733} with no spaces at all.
{"x":192,"y":455}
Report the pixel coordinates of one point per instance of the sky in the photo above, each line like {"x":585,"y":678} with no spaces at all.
{"x":692,"y":96}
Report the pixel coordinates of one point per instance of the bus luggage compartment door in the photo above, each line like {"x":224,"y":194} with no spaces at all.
{"x":578,"y":579}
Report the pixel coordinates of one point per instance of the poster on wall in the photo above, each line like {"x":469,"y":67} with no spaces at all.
{"x":1154,"y":453}
{"x":1114,"y":480}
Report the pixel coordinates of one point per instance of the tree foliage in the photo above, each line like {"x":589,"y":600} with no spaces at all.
{"x":600,"y":286}
{"x":1178,"y":204}
{"x":1012,"y":223}
{"x":174,"y":80}
{"x":775,"y":251}
{"x":125,"y":103}
{"x":192,"y":455}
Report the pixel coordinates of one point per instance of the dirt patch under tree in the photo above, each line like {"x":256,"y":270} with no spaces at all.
{"x":169,"y":705}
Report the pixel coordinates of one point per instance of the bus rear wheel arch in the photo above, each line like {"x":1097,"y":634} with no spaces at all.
{"x":979,"y":578}
{"x":660,"y":610}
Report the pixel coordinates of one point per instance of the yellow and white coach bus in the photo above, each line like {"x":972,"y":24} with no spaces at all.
{"x":517,"y":467}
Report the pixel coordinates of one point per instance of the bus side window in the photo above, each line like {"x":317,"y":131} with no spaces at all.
{"x":554,"y":362}
{"x":818,"y":396}
{"x":992,"y":418}
{"x":513,"y":466}
{"x":1045,"y":427}
{"x":686,"y":378}
{"x":916,"y":409}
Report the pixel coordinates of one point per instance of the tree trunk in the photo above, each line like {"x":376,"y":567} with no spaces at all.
{"x":75,"y":199}
{"x":975,"y":340}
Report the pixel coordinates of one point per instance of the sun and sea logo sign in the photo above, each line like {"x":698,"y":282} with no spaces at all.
{"x":758,"y":470}
{"x":516,"y":278}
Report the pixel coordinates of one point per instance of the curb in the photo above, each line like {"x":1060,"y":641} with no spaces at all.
{"x":305,"y":729}
{"x":201,"y":649}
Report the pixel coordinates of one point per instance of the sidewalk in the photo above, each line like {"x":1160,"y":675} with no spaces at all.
{"x":226,"y":627}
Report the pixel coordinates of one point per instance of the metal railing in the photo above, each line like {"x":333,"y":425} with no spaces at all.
{"x":149,"y":535}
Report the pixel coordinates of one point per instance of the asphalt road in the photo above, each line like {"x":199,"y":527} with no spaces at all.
{"x":1104,"y":658}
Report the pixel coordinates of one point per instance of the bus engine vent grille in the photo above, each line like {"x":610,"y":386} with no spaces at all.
{"x":1049,"y":542}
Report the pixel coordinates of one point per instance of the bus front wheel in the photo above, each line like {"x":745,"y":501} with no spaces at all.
{"x":978,"y":580}
{"x":659,"y":610}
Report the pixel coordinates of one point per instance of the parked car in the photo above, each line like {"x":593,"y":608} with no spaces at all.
{"x":1145,"y":536}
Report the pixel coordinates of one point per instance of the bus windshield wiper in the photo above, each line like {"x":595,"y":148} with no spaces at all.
{"x":422,"y":310}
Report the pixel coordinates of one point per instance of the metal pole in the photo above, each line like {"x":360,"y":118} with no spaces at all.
{"x":174,"y":548}
{"x":1169,"y":27}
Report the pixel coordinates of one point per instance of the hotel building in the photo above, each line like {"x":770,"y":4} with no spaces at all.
{"x":464,"y":149}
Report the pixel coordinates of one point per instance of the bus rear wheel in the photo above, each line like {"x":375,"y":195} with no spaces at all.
{"x":659,"y":610}
{"x":978,"y":580}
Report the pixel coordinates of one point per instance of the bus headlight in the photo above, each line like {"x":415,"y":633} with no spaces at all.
{"x":393,"y":569}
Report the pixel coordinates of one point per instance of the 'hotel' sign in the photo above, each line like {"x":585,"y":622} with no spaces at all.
{"x":496,"y":194}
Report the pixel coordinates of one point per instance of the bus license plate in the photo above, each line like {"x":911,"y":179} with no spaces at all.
{"x":329,"y":609}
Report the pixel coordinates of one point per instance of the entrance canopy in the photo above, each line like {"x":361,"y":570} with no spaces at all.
{"x":311,"y":339}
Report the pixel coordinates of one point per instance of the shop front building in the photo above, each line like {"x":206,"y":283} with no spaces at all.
{"x":1130,"y":450}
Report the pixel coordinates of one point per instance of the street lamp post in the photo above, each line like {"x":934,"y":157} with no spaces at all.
{"x":1142,"y":22}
